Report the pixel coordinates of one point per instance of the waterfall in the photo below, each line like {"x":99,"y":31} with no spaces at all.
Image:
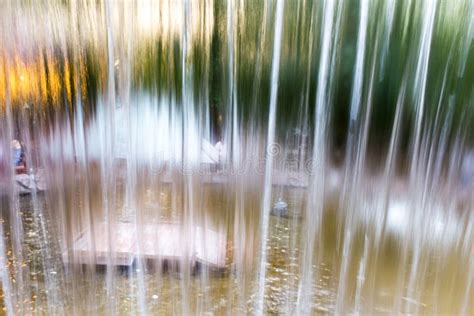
{"x":228,"y":157}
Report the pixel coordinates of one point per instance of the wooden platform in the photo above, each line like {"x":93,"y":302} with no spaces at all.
{"x":160,"y":242}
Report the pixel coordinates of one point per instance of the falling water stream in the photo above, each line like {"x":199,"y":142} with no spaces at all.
{"x":236,"y":157}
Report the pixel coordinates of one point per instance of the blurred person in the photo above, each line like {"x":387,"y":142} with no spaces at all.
{"x":18,"y":157}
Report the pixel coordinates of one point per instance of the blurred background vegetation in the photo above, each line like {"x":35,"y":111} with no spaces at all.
{"x":78,"y":62}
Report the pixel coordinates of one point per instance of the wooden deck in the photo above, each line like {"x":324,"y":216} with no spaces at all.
{"x":160,"y":242}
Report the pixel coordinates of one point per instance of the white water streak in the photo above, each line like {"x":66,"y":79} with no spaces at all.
{"x":267,"y":193}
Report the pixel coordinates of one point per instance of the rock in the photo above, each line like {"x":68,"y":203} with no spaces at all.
{"x":28,"y":183}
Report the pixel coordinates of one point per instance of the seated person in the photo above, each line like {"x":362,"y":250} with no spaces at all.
{"x":18,"y":157}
